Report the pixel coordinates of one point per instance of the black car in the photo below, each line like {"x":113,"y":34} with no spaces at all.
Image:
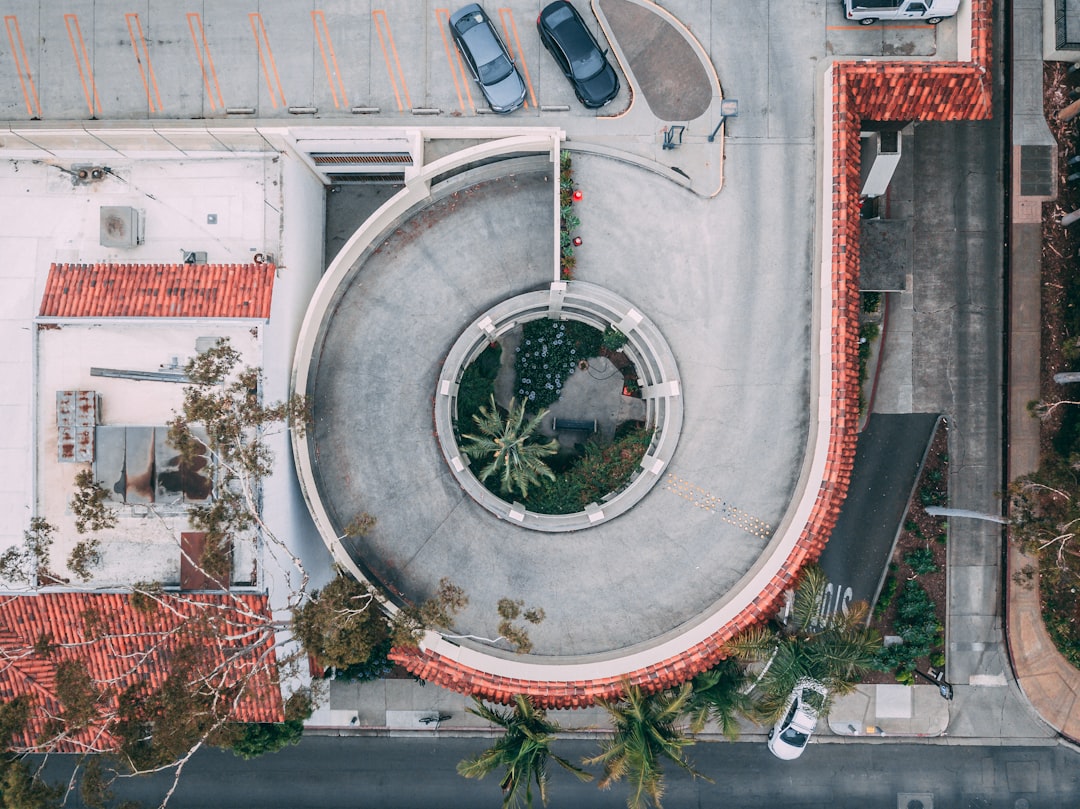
{"x":564,"y":34}
{"x":488,"y":59}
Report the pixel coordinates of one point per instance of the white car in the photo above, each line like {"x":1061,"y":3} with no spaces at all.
{"x":789,"y":735}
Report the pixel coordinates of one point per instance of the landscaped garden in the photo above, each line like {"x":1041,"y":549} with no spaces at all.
{"x":511,"y":455}
{"x":910,"y":611}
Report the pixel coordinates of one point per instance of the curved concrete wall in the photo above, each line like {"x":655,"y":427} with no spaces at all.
{"x":657,"y":371}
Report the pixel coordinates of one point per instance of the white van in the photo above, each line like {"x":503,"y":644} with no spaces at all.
{"x":868,"y":12}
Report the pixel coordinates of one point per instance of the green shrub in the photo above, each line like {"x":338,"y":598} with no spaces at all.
{"x":916,"y":622}
{"x":888,"y":591}
{"x":599,"y":471}
{"x":258,"y":738}
{"x":478,"y":383}
{"x":613,"y":339}
{"x":871,"y":302}
{"x":921,"y":560}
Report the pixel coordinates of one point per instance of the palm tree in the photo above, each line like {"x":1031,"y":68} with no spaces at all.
{"x":645,"y":733}
{"x":523,"y":750}
{"x":718,"y":694}
{"x":833,"y":650}
{"x":509,"y":443}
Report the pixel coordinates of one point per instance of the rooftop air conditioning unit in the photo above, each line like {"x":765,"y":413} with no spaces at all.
{"x":121,"y":226}
{"x":884,"y":159}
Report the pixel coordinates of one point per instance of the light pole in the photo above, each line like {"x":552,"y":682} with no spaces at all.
{"x":944,"y":689}
{"x":729,"y":108}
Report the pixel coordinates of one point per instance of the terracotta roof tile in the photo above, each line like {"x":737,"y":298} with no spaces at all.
{"x":133,"y":646}
{"x":158,"y":290}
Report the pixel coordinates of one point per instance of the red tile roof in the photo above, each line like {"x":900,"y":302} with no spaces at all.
{"x":130,"y":646}
{"x":880,"y":91}
{"x":158,"y":290}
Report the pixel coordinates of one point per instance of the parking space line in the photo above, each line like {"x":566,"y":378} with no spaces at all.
{"x":442,"y":19}
{"x":505,"y":13}
{"x":142,"y":56}
{"x":82,"y":61}
{"x":22,"y":66}
{"x":381,"y":23}
{"x":267,"y":60}
{"x":318,"y":21}
{"x":202,"y":51}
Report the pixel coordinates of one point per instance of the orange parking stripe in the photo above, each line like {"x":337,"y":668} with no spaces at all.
{"x":503,"y":14}
{"x":82,"y":61}
{"x":267,"y":60}
{"x":442,"y":19}
{"x":22,"y":66}
{"x":201,"y":47}
{"x":382,"y":22}
{"x":142,"y":56}
{"x":318,"y":20}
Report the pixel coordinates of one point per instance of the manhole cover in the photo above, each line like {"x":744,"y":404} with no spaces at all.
{"x":915,"y":800}
{"x":1022,"y":803}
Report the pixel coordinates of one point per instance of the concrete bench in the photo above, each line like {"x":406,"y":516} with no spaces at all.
{"x":584,"y":425}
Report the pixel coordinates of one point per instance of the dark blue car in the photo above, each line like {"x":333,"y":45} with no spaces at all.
{"x":564,"y":34}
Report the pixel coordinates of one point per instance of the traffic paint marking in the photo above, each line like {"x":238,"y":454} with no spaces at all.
{"x":515,"y":48}
{"x":22,"y":66}
{"x":329,"y":58}
{"x":702,"y":499}
{"x":382,"y":27}
{"x":142,"y":56}
{"x":267,"y":59}
{"x":442,"y":19}
{"x":202,"y":51}
{"x":82,"y":61}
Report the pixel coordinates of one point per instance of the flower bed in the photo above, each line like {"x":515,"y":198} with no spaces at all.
{"x":549,"y":353}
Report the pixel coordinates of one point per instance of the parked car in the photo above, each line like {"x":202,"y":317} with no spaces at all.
{"x":488,"y":59}
{"x":868,"y":12}
{"x":790,"y":734}
{"x":577,"y":53}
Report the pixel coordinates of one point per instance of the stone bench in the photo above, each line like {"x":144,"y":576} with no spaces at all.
{"x":584,"y":425}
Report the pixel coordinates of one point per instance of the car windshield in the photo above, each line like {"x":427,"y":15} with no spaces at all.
{"x":585,"y":60}
{"x":794,"y":737}
{"x":588,"y":65}
{"x":496,"y":70}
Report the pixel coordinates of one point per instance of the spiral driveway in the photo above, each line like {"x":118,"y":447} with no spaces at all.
{"x":739,"y":333}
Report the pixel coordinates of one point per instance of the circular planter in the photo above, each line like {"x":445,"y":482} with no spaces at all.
{"x":657,"y":373}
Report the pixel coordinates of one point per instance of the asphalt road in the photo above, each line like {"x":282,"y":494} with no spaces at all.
{"x":356,"y":773}
{"x":887,"y":462}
